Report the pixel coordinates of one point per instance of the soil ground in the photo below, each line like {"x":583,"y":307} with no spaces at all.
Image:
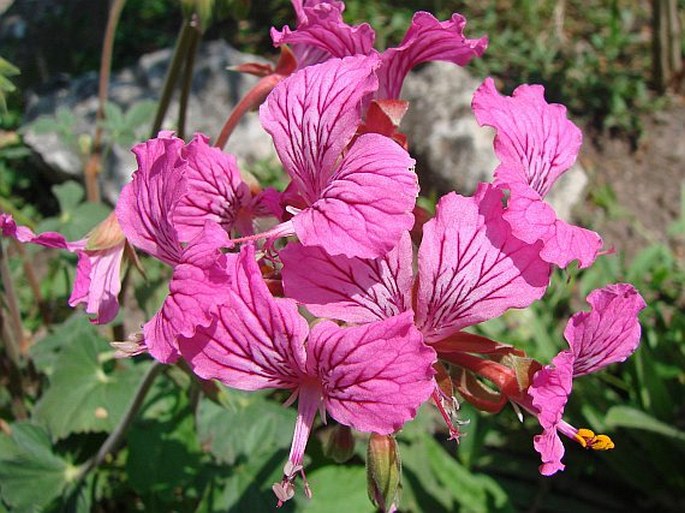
{"x":645,"y":182}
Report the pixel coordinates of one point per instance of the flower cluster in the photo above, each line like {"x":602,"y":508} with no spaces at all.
{"x":342,"y":245}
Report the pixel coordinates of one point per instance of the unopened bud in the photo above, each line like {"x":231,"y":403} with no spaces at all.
{"x":383,"y":472}
{"x":106,"y":235}
{"x":339,"y":443}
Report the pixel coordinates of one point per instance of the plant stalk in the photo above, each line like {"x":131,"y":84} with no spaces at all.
{"x":177,"y":60}
{"x":94,"y":164}
{"x":116,"y":437}
{"x":187,"y":79}
{"x":16,"y":340}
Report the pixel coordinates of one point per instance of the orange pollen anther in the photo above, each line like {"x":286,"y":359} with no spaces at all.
{"x":588,"y":439}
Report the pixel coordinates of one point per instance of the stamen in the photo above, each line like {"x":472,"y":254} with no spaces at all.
{"x":454,"y":431}
{"x":589,"y":440}
{"x":309,"y":400}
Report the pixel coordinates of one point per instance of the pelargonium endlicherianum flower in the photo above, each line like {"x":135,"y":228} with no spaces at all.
{"x":608,"y":333}
{"x":372,"y":377}
{"x":350,"y":205}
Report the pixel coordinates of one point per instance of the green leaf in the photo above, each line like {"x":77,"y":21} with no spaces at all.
{"x":436,"y":481}
{"x":6,"y":86}
{"x":245,"y":486}
{"x":336,"y":489}
{"x":88,"y":391}
{"x":31,"y":475}
{"x":250,"y":427}
{"x":76,"y":218}
{"x":45,"y":352}
{"x":163,"y":455}
{"x":627,"y":417}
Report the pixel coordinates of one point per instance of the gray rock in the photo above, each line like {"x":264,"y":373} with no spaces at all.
{"x":452,"y":151}
{"x":215,"y":90}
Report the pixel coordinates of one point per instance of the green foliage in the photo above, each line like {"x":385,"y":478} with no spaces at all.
{"x":76,"y":216}
{"x":6,"y":86}
{"x":88,"y":392}
{"x":31,"y":474}
{"x":127,"y":128}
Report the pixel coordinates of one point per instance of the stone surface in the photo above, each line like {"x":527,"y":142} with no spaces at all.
{"x":452,"y":151}
{"x":215,"y":91}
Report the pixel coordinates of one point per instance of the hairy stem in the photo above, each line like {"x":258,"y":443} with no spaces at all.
{"x":94,"y":165}
{"x":33,"y":283}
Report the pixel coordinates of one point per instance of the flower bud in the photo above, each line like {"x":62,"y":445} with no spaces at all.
{"x":339,"y":443}
{"x":383,"y":472}
{"x":106,"y":235}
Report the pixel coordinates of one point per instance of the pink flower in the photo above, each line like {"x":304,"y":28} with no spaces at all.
{"x":470,"y":269}
{"x":609,"y":333}
{"x":97,"y":282}
{"x":178,"y":207}
{"x":372,"y":378}
{"x":322,"y":34}
{"x":536,"y":144}
{"x":349,"y":197}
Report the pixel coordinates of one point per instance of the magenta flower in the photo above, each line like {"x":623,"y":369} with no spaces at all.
{"x":351,"y":197}
{"x":536,"y":143}
{"x":322,"y":34}
{"x":178,"y":208}
{"x":609,"y":333}
{"x":470,"y":269}
{"x":372,"y":378}
{"x":97,"y":282}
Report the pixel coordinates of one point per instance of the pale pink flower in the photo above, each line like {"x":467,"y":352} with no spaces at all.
{"x":97,"y":283}
{"x":608,"y":333}
{"x":322,"y":34}
{"x":470,"y":269}
{"x":178,"y":208}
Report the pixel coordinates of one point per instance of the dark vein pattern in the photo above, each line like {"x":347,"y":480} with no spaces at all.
{"x":471,"y":268}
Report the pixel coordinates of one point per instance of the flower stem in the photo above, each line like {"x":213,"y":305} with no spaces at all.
{"x":33,"y":283}
{"x":177,"y":60}
{"x":94,"y":165}
{"x":15,"y":341}
{"x":115,"y":438}
{"x":187,"y":79}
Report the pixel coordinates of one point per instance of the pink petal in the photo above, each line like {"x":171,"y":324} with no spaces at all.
{"x":349,"y":289}
{"x":471,"y":268}
{"x":215,"y":190}
{"x":198,"y":285}
{"x":54,"y":240}
{"x":427,"y":39}
{"x":549,"y":394}
{"x":322,"y":34}
{"x":368,"y":203}
{"x":97,"y":283}
{"x":610,"y":332}
{"x":374,"y":376}
{"x":313,"y":114}
{"x":551,"y":450}
{"x":532,"y":219}
{"x":535,"y":142}
{"x":257,"y":341}
{"x":146,"y":205}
